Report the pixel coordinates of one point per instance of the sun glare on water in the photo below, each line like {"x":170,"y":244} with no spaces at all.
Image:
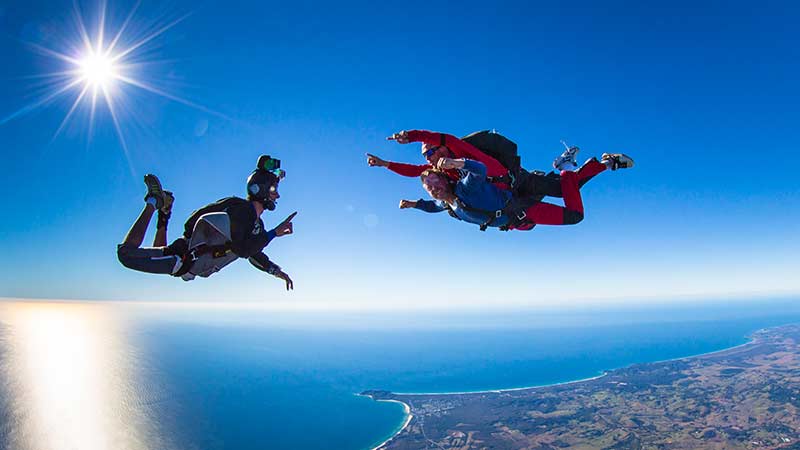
{"x":71,"y":380}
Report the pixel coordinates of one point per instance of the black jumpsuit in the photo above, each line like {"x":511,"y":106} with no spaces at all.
{"x":248,"y":239}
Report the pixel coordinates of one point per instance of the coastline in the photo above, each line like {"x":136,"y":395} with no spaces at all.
{"x":407,"y":408}
{"x":748,"y":336}
{"x":406,"y":420}
{"x":498,"y":391}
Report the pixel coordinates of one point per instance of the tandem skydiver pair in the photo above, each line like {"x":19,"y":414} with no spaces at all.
{"x":479,"y":179}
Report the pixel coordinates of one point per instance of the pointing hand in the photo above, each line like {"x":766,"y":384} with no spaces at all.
{"x":286,"y":227}
{"x":373,"y":161}
{"x":401,"y":137}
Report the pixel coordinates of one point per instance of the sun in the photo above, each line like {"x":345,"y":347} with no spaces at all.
{"x":98,"y":71}
{"x":103,"y":68}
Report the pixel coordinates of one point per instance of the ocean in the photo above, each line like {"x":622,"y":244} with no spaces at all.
{"x":101,"y":376}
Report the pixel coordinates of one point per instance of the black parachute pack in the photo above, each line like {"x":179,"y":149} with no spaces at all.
{"x":504,"y":150}
{"x":501,"y":148}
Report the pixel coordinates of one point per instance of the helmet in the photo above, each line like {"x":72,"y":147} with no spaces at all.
{"x":259,"y":185}
{"x":263,"y":181}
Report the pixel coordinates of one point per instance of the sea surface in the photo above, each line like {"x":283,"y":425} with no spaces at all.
{"x":100,"y":376}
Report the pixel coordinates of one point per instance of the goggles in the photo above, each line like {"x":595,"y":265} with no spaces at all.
{"x":427,"y":153}
{"x":268,"y":163}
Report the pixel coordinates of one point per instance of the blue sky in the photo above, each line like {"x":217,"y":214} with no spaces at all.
{"x":703,"y":96}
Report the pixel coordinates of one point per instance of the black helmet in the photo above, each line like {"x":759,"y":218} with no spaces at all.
{"x":264,"y":180}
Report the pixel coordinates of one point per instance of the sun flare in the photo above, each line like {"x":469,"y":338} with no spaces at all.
{"x":98,"y":70}
{"x":104,"y":69}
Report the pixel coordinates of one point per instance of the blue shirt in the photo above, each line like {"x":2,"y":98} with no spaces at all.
{"x":474,"y":191}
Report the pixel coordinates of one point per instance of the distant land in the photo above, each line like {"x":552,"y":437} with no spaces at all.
{"x":746,"y":397}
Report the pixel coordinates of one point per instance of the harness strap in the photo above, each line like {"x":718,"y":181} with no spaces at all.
{"x":506,"y":179}
{"x":516,"y":210}
{"x":216,"y":251}
{"x":513,"y":177}
{"x":188,"y":259}
{"x":490,"y":215}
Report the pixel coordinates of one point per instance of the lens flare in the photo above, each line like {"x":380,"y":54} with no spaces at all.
{"x":97,"y":70}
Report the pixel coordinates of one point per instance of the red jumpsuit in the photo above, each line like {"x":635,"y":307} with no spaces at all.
{"x":544,"y":213}
{"x":459,"y":148}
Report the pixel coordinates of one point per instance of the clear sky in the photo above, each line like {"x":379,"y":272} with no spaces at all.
{"x":704,"y":96}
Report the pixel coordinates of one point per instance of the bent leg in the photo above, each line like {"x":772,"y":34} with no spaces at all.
{"x":135,"y":235}
{"x":588,"y":171}
{"x":164,"y":214}
{"x":550,"y":185}
{"x":571,"y":192}
{"x":160,"y":239}
{"x":571,"y":213}
{"x":544,"y":213}
{"x":148,"y":259}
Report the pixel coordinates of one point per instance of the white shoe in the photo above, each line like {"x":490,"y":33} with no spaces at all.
{"x":566,"y":159}
{"x":616,"y":161}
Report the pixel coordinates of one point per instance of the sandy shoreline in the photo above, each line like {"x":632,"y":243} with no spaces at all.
{"x":498,"y":391}
{"x":406,"y":420}
{"x":409,"y":415}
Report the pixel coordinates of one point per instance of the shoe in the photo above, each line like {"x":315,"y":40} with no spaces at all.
{"x":616,"y":161}
{"x":165,"y":212}
{"x":154,"y":190}
{"x":166,"y":209}
{"x":566,"y":159}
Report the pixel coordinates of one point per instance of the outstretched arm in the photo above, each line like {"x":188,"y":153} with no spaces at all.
{"x":261,"y":262}
{"x":428,"y":206}
{"x":406,"y":170}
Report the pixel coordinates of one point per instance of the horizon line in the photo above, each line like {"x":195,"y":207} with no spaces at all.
{"x":357,"y":306}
